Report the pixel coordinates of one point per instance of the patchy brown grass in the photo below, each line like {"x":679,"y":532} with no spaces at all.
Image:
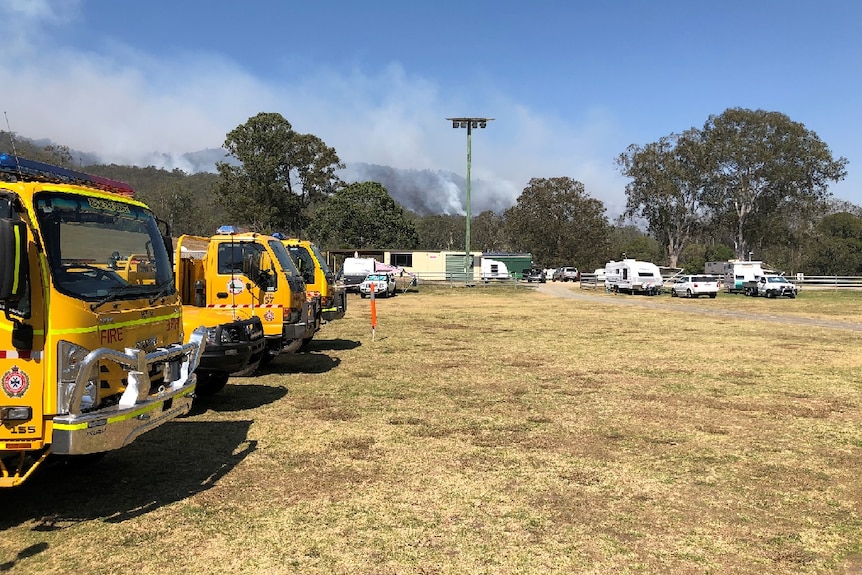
{"x":491,"y":431}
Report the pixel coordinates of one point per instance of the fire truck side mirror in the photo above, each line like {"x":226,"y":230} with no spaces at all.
{"x":13,"y":264}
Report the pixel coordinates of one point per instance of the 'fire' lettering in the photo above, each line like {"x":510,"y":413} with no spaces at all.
{"x":111,"y":335}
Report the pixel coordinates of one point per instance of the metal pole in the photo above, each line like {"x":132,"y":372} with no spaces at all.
{"x":467,"y":267}
{"x":468,"y":123}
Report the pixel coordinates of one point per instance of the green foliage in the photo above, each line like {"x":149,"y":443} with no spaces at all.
{"x":488,"y":233}
{"x":635,"y":244}
{"x":440,"y":232}
{"x":665,"y":189}
{"x":184,"y":201}
{"x":281,"y":176}
{"x":61,"y":155}
{"x":11,"y":143}
{"x":363,"y":215}
{"x":559,"y":224}
{"x":753,"y":178}
{"x":694,"y":257}
{"x":763,"y":169}
{"x":718,"y":253}
{"x":448,"y":233}
{"x":837,"y":246}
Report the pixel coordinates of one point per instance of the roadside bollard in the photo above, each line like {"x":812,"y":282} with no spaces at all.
{"x":373,"y":311}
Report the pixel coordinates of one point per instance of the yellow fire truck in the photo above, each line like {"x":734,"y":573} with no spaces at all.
{"x":90,"y":358}
{"x":235,"y":342}
{"x":328,"y":300}
{"x":249,"y":271}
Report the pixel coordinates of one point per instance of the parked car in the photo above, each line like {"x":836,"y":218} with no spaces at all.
{"x":534,"y":275}
{"x":570,"y":274}
{"x":384,"y":284}
{"x":600,"y":276}
{"x":770,"y":285}
{"x":695,"y":286}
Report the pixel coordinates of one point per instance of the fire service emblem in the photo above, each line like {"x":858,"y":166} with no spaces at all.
{"x":15,"y":382}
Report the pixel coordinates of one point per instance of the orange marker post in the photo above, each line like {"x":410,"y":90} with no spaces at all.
{"x":373,"y":312}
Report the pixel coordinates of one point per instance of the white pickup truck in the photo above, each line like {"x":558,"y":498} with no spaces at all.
{"x":770,"y":286}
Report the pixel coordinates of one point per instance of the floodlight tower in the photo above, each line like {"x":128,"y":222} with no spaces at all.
{"x":468,"y":123}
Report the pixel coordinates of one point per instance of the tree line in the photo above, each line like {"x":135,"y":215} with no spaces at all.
{"x":749,"y":183}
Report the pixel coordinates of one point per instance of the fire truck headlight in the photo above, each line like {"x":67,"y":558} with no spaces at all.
{"x":69,"y":364}
{"x":16,"y":413}
{"x":70,"y":357}
{"x":231,"y":335}
{"x":222,"y":335}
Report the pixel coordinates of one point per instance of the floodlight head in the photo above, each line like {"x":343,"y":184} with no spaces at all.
{"x":475,"y":124}
{"x":456,"y":125}
{"x":482,"y":124}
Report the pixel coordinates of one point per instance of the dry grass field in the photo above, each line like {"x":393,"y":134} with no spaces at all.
{"x":493,"y":431}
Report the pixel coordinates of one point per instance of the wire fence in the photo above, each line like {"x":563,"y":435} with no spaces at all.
{"x":459,"y":280}
{"x":826,"y":282}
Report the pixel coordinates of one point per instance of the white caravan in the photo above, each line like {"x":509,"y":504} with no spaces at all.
{"x":633,"y":276}
{"x":734,"y":273}
{"x":494,"y":270}
{"x":355,"y":270}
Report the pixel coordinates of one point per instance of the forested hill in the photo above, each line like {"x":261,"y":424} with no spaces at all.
{"x":186,"y":199}
{"x":686,"y":206}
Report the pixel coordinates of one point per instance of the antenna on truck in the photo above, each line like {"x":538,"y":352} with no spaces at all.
{"x":11,"y":137}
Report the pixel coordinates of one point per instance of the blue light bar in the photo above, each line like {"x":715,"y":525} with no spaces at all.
{"x":30,"y":170}
{"x":279,"y":236}
{"x":227,"y":230}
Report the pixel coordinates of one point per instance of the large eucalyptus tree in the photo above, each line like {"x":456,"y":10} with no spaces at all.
{"x":666,"y":189}
{"x":364,"y":215}
{"x":763,"y":169}
{"x":277,"y":176}
{"x":559,"y":224}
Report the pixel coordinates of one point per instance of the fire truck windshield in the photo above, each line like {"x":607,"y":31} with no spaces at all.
{"x":98,"y":247}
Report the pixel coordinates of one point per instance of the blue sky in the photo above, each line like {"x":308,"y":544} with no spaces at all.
{"x":570,"y":84}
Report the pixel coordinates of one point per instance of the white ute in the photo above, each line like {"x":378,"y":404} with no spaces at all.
{"x":383,"y":282}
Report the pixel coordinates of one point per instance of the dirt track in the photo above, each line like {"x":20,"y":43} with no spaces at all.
{"x":572,"y":290}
